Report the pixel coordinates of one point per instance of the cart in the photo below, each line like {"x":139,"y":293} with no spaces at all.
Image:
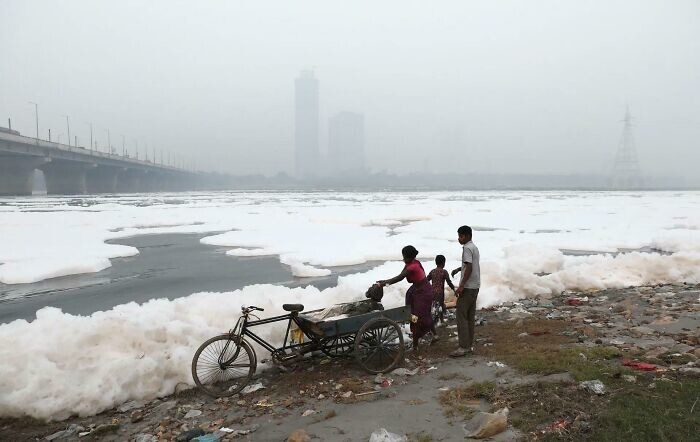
{"x":225,"y":364}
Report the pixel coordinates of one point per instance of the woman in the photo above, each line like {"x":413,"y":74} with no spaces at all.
{"x":419,"y":296}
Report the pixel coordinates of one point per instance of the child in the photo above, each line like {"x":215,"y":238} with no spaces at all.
{"x":438,"y":276}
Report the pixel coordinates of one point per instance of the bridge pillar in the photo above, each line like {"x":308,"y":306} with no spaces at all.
{"x":66,"y":178}
{"x":103,"y":179}
{"x":131,"y":181}
{"x":17,"y":174}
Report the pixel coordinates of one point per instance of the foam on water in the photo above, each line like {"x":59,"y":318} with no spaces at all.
{"x":60,"y":364}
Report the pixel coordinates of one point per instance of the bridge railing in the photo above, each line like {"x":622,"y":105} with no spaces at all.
{"x":22,"y":139}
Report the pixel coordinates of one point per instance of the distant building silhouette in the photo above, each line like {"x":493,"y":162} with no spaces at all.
{"x":307,"y":161}
{"x":346,"y":144}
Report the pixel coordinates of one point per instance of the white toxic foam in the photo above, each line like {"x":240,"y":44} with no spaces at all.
{"x":60,"y":364}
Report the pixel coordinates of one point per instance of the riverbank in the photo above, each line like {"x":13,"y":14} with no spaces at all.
{"x":640,"y":343}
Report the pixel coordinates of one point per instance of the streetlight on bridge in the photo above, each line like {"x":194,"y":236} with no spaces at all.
{"x":91,"y":145}
{"x":36,"y":117}
{"x":68,"y":127}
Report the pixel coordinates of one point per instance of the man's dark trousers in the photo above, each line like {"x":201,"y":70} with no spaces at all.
{"x":466,"y":313}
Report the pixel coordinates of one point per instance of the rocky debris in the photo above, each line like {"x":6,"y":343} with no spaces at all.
{"x":63,"y":434}
{"x":136,"y":416}
{"x":131,"y":405}
{"x":192,"y":413}
{"x":484,"y":425}
{"x":144,"y":437}
{"x":190,"y":434}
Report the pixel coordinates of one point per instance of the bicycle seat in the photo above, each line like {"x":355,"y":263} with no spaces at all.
{"x":292,"y":307}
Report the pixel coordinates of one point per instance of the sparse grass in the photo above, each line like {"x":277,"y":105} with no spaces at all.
{"x":464,"y":401}
{"x":562,"y":411}
{"x":421,"y":437}
{"x":660,"y":414}
{"x":453,"y":376}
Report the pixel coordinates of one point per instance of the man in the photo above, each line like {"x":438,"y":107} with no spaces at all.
{"x":467,"y":291}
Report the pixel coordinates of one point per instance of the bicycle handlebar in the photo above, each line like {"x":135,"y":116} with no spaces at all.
{"x":252,"y":308}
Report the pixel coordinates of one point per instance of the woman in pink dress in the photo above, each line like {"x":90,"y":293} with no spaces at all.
{"x":419,"y":296}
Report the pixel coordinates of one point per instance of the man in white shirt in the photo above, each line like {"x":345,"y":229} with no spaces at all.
{"x":467,"y":291}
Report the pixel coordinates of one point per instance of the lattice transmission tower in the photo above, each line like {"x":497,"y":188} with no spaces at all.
{"x":626,"y":172}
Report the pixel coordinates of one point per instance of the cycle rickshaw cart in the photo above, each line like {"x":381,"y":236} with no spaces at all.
{"x":225,"y":364}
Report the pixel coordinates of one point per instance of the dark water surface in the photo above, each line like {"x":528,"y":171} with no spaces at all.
{"x":167,"y":266}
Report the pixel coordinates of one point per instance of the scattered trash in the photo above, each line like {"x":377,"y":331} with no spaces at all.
{"x":209,"y":437}
{"x":576,"y":300}
{"x":594,"y":386}
{"x":252,"y":388}
{"x":189,"y":435}
{"x":264,"y":403}
{"x":522,"y":335}
{"x":382,"y":435}
{"x":481,"y":321}
{"x":308,"y":413}
{"x":192,"y":413}
{"x":236,"y":433}
{"x":555,"y":427}
{"x":431,"y":368}
{"x":642,"y":366}
{"x":496,"y":364}
{"x":484,"y":425}
{"x":321,"y":396}
{"x":383,"y":381}
{"x":347,"y":394}
{"x":629,"y":378}
{"x":401,"y":371}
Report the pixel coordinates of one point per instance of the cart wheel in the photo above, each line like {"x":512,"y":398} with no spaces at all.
{"x":223,"y":365}
{"x":338,"y":346}
{"x":379,"y":345}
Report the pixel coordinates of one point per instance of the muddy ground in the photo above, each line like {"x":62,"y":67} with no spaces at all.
{"x":530,"y":356}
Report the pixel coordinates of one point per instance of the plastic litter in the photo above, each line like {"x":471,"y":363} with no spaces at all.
{"x":209,"y":437}
{"x":382,"y":435}
{"x":308,"y":413}
{"x":642,"y":366}
{"x":402,"y":371}
{"x":252,"y":388}
{"x":594,"y":386}
{"x":496,"y":364}
{"x":485,"y":425}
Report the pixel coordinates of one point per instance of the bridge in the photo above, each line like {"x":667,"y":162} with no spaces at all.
{"x":71,"y":170}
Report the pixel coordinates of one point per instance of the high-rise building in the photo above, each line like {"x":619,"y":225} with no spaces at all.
{"x":346,"y":144}
{"x":307,"y":161}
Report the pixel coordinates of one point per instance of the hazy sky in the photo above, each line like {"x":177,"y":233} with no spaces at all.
{"x":492,"y":86}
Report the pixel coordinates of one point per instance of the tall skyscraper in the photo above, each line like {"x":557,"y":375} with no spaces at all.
{"x":306,"y":125}
{"x":346,"y":144}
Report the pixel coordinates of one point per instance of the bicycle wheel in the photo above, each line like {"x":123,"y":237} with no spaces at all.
{"x":379,"y":345}
{"x":338,"y":346}
{"x":223,"y":365}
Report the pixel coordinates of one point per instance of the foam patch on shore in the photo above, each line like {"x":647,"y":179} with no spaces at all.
{"x":61,"y":365}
